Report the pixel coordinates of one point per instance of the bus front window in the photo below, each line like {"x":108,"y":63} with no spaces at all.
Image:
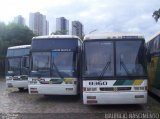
{"x":130,"y":60}
{"x":41,"y":63}
{"x":63,"y":64}
{"x":99,"y":59}
{"x":14,"y":65}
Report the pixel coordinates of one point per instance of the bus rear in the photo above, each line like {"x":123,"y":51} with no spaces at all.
{"x":114,"y":69}
{"x":17,"y":66}
{"x":55,"y":65}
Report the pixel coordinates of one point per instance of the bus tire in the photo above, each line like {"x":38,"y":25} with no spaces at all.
{"x":21,"y":89}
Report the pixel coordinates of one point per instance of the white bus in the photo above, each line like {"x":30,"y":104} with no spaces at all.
{"x":17,"y":66}
{"x":114,"y":69}
{"x":55,"y":65}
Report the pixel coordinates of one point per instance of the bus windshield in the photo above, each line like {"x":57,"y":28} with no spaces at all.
{"x":99,"y":59}
{"x":63,"y":64}
{"x":130,"y":60}
{"x":14,"y":65}
{"x":41,"y":63}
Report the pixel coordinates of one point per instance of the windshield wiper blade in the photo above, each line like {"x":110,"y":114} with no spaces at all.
{"x":124,"y":67}
{"x":104,"y":69}
{"x":57,"y":71}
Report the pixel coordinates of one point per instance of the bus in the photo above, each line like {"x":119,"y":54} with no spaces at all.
{"x":153,"y":56}
{"x":55,"y":65}
{"x":114,"y":69}
{"x":17,"y":67}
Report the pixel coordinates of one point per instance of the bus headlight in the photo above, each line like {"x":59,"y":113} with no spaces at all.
{"x":10,"y":78}
{"x":34,"y":81}
{"x":89,"y":89}
{"x":140,"y":88}
{"x":41,"y":80}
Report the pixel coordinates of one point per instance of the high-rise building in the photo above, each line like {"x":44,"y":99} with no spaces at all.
{"x":47,"y":27}
{"x":62,"y":26}
{"x":38,"y":23}
{"x":77,"y":28}
{"x":19,"y":20}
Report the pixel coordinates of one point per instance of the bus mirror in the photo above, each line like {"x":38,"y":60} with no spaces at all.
{"x":10,"y":73}
{"x":148,"y":56}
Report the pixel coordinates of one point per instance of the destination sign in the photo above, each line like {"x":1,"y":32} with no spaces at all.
{"x":62,"y":50}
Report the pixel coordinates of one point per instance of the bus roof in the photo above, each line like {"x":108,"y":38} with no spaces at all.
{"x":20,"y":46}
{"x":155,"y":35}
{"x":18,"y":51}
{"x":55,"y":36}
{"x":112,"y":35}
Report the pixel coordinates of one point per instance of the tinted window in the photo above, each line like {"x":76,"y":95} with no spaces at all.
{"x":41,"y":62}
{"x":14,"y":65}
{"x":130,"y":58}
{"x":64,"y":63}
{"x":99,"y":58}
{"x":50,"y":44}
{"x":17,"y":52}
{"x":156,"y":44}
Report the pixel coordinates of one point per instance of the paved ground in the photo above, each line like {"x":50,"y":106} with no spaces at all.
{"x":17,"y":105}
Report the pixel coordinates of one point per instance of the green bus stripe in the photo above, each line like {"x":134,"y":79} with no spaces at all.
{"x":119,"y":82}
{"x":124,"y":82}
{"x":128,"y":82}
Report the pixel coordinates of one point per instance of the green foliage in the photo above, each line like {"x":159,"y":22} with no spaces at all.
{"x":12,"y":35}
{"x":82,"y":37}
{"x":63,"y":32}
{"x":156,"y":15}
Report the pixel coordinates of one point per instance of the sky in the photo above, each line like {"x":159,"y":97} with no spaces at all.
{"x":95,"y":15}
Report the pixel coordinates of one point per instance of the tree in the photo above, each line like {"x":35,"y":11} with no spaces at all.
{"x":12,"y":35}
{"x":156,"y":15}
{"x":82,"y":37}
{"x":62,"y":32}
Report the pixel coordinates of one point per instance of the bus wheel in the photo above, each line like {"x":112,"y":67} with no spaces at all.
{"x":21,"y":89}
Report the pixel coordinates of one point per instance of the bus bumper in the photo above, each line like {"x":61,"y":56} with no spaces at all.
{"x":115,"y":98}
{"x":51,"y":89}
{"x":17,"y":84}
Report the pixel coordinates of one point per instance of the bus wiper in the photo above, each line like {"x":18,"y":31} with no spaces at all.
{"x":57,"y":71}
{"x":124,"y":67}
{"x":104,"y":69}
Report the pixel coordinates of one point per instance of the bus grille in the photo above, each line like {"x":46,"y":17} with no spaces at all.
{"x":115,"y":88}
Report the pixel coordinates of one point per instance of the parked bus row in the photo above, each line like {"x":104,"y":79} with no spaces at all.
{"x":107,"y":68}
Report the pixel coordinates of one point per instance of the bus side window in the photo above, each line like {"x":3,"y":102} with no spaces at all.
{"x":156,"y":44}
{"x":151,"y":46}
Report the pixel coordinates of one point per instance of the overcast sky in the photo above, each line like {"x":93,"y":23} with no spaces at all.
{"x":102,"y":15}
